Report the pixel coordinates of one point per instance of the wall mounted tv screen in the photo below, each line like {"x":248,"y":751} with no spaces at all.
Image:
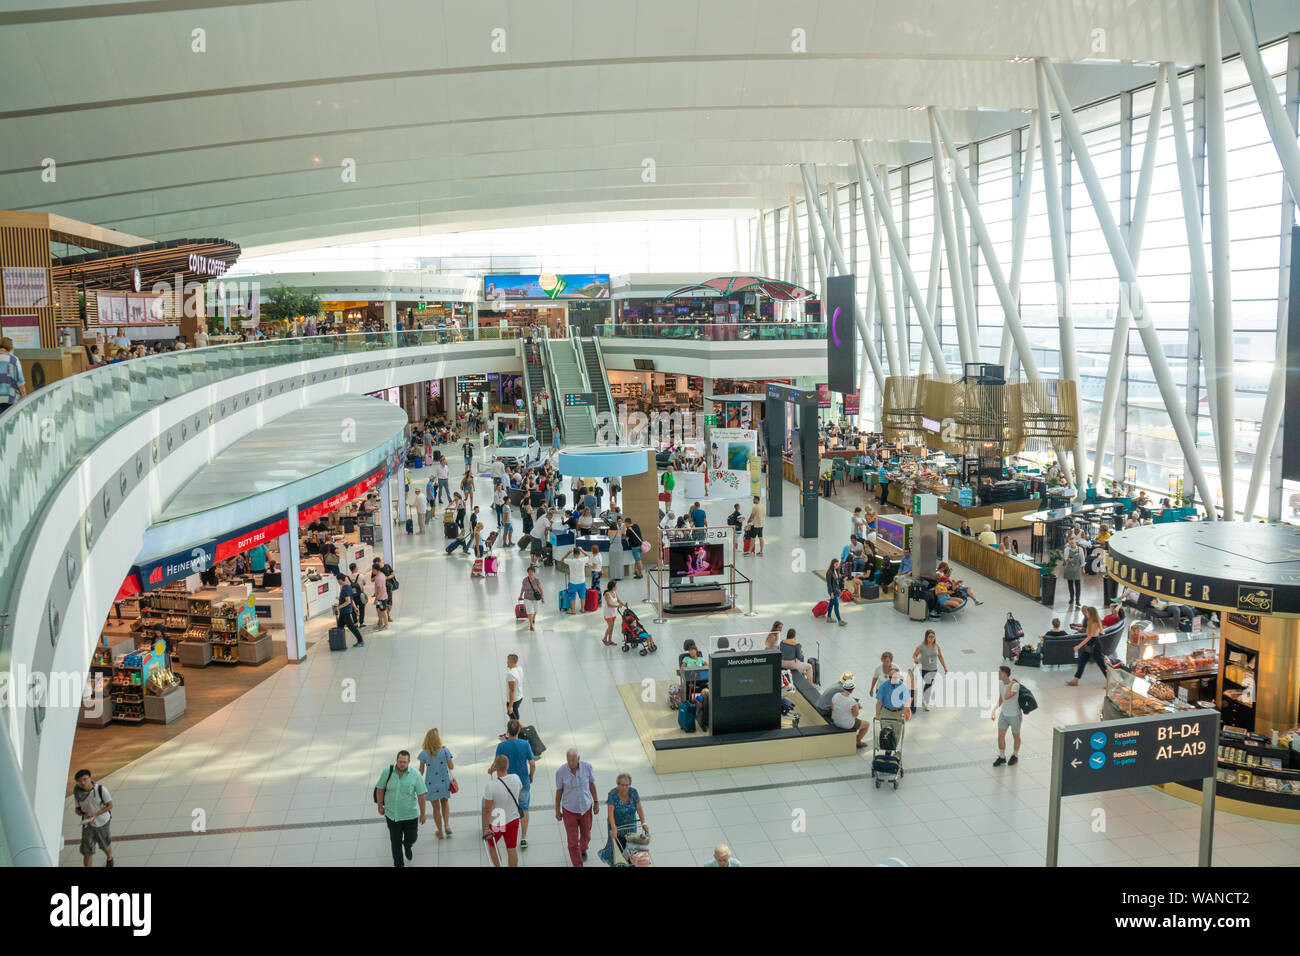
{"x":686,"y":562}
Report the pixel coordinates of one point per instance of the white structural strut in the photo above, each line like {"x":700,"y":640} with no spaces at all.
{"x":877,"y":270}
{"x":1010,"y":311}
{"x":931,"y":296}
{"x":814,"y":241}
{"x":951,"y":243}
{"x":1019,"y":228}
{"x":1123,"y":312}
{"x":1060,"y":268}
{"x":1202,"y":301}
{"x":967,"y":269}
{"x":1280,"y":130}
{"x":1216,"y":164}
{"x":1128,"y":276}
{"x":791,"y":227}
{"x":842,"y":266}
{"x":900,"y":256}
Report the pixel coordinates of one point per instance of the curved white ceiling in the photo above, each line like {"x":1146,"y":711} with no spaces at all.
{"x":248,"y":139}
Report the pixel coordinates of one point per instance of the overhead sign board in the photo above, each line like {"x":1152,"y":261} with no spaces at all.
{"x":548,"y":285}
{"x":580,"y":400}
{"x":1139,"y":752}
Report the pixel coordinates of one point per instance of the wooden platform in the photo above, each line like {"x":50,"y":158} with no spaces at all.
{"x":655,"y":722}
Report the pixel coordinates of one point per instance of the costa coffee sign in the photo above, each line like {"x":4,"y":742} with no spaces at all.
{"x":205,"y":266}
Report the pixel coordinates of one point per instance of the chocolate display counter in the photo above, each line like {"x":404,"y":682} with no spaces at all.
{"x":1250,"y":574}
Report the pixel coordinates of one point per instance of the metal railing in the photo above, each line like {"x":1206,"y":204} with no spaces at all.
{"x":715,"y":332}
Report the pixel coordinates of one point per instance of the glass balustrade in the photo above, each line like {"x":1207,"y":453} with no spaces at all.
{"x":715,"y":331}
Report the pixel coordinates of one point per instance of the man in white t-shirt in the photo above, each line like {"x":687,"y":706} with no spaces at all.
{"x":845,"y":710}
{"x":514,"y":686}
{"x":501,"y":810}
{"x":757,"y":515}
{"x":577,"y":562}
{"x":201,"y":338}
{"x":94,"y":804}
{"x":541,"y":535}
{"x":444,"y":481}
{"x":415,"y":508}
{"x":1007,"y":713}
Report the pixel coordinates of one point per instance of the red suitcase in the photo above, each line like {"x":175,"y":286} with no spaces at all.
{"x":521,"y":612}
{"x":820,"y":608}
{"x":477,"y":570}
{"x":593,"y":600}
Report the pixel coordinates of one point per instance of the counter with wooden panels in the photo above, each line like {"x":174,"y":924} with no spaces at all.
{"x":1014,"y":515}
{"x":1014,"y":573}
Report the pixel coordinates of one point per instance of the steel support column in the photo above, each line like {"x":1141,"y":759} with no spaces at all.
{"x":899,"y":255}
{"x":932,"y":299}
{"x":951,"y":242}
{"x":1128,"y":275}
{"x":1116,"y":368}
{"x":1216,"y":135}
{"x":877,"y":270}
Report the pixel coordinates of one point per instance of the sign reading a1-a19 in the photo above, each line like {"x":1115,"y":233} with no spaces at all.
{"x":841,"y":342}
{"x":580,"y":399}
{"x":1138,"y":752}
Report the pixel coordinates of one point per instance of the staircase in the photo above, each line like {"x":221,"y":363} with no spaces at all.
{"x":577,"y":425}
{"x":534,"y":384}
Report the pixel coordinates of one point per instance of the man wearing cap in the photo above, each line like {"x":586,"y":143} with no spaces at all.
{"x":845,"y":711}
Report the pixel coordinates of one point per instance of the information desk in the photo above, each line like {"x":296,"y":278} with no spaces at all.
{"x":1023,"y":576}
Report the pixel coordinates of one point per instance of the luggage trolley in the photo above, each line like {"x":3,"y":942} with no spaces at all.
{"x":886,"y":751}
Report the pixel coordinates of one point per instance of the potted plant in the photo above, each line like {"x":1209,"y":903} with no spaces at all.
{"x":1048,"y":584}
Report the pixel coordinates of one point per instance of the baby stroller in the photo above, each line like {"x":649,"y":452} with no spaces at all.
{"x":886,"y":757}
{"x":634,"y":633}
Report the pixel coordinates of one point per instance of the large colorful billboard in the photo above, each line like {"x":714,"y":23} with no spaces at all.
{"x":548,"y":285}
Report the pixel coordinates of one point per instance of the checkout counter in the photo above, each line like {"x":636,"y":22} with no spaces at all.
{"x":1018,"y":572}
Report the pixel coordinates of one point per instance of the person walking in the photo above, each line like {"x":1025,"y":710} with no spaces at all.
{"x":507,"y":526}
{"x":893,"y":704}
{"x":501,"y":811}
{"x":380,"y":582}
{"x":444,"y":482}
{"x":722,"y":857}
{"x":346,"y":609}
{"x":929,"y":656}
{"x":436,"y":765}
{"x":754,"y":525}
{"x":94,"y":804}
{"x":610,"y":605}
{"x":498,"y":501}
{"x":459,"y":504}
{"x":575,"y":803}
{"x":625,"y":811}
{"x":514,"y":686}
{"x":467,"y":449}
{"x":415,"y":509}
{"x":1007,"y":713}
{"x":400,"y":794}
{"x":595,"y":567}
{"x":1072,"y":571}
{"x":531,"y":595}
{"x":1089,"y":647}
{"x":632,"y":540}
{"x":522,"y":762}
{"x":467,"y":487}
{"x":13,"y":385}
{"x":834,"y":585}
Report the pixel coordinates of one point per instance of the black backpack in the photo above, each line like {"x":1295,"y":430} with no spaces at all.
{"x":393,"y":583}
{"x":1012,"y":631}
{"x":1025,"y":699}
{"x":374,"y":794}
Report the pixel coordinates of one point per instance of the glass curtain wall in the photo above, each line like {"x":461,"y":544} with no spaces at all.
{"x":1141,"y":439}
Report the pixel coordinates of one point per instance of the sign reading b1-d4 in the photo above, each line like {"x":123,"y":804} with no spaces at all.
{"x":1138,"y":752}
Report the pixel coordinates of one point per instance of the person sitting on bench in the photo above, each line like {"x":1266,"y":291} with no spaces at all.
{"x":944,"y":599}
{"x":792,"y":656}
{"x":956,"y":587}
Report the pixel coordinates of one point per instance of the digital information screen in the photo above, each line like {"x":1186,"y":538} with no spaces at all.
{"x":745,"y":680}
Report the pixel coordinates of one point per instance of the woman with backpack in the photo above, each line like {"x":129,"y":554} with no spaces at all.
{"x":834,"y":585}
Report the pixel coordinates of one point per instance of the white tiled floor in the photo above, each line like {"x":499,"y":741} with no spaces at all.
{"x":294,"y":751}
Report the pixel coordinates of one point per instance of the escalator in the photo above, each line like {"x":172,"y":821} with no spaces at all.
{"x":535,"y":384}
{"x":577,"y":424}
{"x":598,"y":379}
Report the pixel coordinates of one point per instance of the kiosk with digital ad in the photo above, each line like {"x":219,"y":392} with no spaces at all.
{"x":791,"y":415}
{"x":730,"y":451}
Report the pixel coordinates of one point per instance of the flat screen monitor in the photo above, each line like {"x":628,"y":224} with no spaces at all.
{"x":632,"y":312}
{"x":683,"y":310}
{"x":766,"y":308}
{"x":745,"y":680}
{"x":272,"y":579}
{"x":720,"y":308}
{"x":688,"y":562}
{"x":812,"y":308}
{"x":644,"y":365}
{"x":660,"y":310}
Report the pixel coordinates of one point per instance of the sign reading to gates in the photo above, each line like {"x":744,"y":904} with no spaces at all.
{"x":1140,"y":752}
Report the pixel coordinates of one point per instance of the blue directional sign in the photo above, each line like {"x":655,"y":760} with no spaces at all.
{"x":1138,"y":752}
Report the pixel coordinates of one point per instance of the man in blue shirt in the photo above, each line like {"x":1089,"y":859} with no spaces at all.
{"x":893,"y":700}
{"x":699,"y":519}
{"x":523,"y":764}
{"x":907,"y":563}
{"x":882,"y":476}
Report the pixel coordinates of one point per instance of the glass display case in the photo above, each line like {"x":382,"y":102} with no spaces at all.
{"x":1188,"y":662}
{"x":1128,"y":695}
{"x":1249,"y":760}
{"x":1239,"y":683}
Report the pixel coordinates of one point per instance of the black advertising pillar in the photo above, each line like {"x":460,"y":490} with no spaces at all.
{"x":806,"y":453}
{"x":841,"y":335}
{"x":774,"y":414}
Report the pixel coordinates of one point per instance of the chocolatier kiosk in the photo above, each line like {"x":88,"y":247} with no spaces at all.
{"x":1250,"y":575}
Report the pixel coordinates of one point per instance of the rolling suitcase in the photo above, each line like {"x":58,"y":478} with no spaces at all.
{"x":1011,"y":649}
{"x":534,"y":739}
{"x":917,"y":609}
{"x":477,"y":570}
{"x":410,"y":526}
{"x":592,"y":601}
{"x":820,"y":608}
{"x":816,"y":669}
{"x":338,"y":639}
{"x":453,"y":544}
{"x":521,"y":612}
{"x":566,"y":599}
{"x":686,"y":716}
{"x":490,"y":564}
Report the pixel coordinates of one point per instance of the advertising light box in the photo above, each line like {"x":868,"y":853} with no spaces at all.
{"x":548,"y":285}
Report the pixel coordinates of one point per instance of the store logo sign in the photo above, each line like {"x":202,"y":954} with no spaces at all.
{"x":1255,"y":599}
{"x":155,"y":577}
